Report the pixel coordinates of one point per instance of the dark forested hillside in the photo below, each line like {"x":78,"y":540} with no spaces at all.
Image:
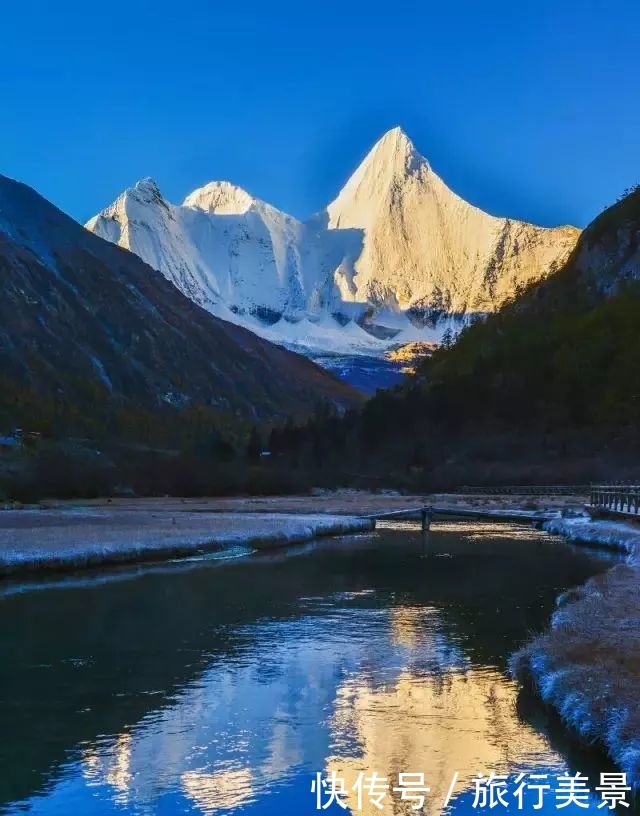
{"x":92,"y":340}
{"x":547,"y":388}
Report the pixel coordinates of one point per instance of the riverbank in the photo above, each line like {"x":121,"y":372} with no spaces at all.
{"x":59,"y":535}
{"x":75,"y":537}
{"x":587,"y":666}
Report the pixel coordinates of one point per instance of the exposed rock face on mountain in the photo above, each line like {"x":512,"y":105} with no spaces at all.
{"x":396,"y":256}
{"x":608,"y":253}
{"x":604,"y":263}
{"x":81,"y":317}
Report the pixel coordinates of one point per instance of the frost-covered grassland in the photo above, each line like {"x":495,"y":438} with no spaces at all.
{"x":72,"y":538}
{"x":587,"y":666}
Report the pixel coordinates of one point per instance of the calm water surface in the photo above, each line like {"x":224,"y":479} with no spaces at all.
{"x":226,"y":686}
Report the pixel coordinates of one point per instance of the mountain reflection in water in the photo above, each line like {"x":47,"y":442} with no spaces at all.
{"x":364,"y":655}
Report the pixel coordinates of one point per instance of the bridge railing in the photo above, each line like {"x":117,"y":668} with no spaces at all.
{"x":616,"y":498}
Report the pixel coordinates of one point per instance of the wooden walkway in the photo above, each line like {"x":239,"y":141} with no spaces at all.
{"x":615,"y":499}
{"x":525,"y":490}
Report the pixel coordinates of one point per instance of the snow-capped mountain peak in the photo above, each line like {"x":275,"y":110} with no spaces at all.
{"x":425,"y":251}
{"x":221,"y":198}
{"x":397,"y":256}
{"x":146,"y":190}
{"x":143,"y":193}
{"x":394,"y":153}
{"x":391,"y":164}
{"x":134,"y":203}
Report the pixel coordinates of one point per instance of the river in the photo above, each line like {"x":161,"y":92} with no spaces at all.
{"x":226,"y":685}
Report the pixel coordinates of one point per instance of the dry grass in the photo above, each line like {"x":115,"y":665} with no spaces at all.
{"x":588,"y":665}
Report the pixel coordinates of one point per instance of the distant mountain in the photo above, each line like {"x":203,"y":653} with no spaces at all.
{"x":87,"y":325}
{"x":396,"y":257}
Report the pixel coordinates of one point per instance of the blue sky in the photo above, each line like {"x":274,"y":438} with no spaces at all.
{"x":526,"y":110}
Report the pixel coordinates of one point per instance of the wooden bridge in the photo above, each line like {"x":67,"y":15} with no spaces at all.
{"x":616,"y":498}
{"x":423,"y":514}
{"x":427,"y":513}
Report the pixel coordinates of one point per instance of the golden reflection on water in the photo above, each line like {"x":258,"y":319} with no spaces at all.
{"x":489,"y":530}
{"x":115,"y":772}
{"x":410,"y":625}
{"x":221,"y":790}
{"x":462,"y":721}
{"x":410,"y":701}
{"x":480,"y":530}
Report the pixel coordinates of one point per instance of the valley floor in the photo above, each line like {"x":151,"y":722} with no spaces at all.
{"x":87,"y":533}
{"x":586,"y":666}
{"x":70,"y":535}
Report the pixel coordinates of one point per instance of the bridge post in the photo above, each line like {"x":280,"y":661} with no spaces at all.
{"x":425,"y":515}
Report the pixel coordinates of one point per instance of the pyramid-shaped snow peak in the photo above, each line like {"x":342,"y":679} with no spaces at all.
{"x":390,"y":163}
{"x":395,"y":152}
